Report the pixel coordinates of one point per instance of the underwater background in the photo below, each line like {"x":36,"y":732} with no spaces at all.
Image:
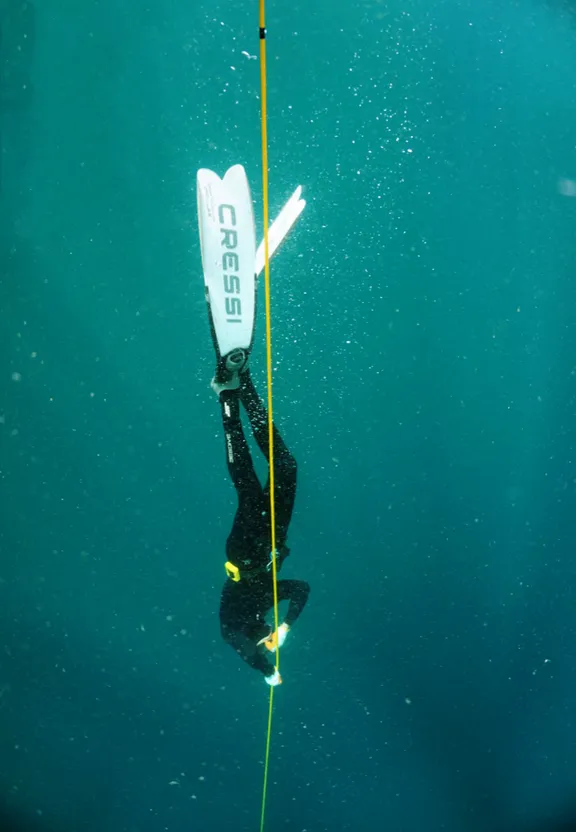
{"x":424,"y":333}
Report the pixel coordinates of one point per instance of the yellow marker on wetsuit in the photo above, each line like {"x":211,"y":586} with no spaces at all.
{"x":232,"y":571}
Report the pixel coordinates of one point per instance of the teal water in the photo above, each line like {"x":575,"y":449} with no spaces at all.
{"x":424,"y":336}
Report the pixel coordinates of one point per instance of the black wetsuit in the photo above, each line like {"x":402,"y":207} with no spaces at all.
{"x":244,"y":604}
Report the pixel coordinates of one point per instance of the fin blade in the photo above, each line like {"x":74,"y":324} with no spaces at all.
{"x":228,"y":246}
{"x":280,"y":227}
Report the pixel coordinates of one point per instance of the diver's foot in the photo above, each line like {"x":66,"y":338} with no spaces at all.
{"x":228,"y":371}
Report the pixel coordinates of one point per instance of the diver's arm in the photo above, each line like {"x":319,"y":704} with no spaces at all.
{"x":296,"y":592}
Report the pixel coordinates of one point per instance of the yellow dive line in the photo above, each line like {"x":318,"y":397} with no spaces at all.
{"x":269,"y":379}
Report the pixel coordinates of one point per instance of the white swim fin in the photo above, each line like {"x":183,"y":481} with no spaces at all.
{"x":280,"y":227}
{"x":230,"y":260}
{"x":228,"y":244}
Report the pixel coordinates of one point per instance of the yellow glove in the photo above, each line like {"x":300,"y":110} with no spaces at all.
{"x":277,"y":638}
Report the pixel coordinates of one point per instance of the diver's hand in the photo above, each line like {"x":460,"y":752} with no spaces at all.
{"x":277,"y":638}
{"x":274,"y":679}
{"x":283,"y":631}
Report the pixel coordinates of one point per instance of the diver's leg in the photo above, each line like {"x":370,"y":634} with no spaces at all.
{"x":238,"y":457}
{"x":247,"y":528}
{"x":285,"y":468}
{"x":258,"y":415}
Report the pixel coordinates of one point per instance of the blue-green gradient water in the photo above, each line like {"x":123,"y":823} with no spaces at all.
{"x":424,"y":349}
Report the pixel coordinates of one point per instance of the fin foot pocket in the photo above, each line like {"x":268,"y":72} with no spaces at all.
{"x":236,"y":360}
{"x":228,"y":371}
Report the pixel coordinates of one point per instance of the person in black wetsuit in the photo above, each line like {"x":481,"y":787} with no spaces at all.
{"x":247,"y":595}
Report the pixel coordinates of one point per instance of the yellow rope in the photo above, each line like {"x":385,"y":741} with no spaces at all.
{"x":269,"y":379}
